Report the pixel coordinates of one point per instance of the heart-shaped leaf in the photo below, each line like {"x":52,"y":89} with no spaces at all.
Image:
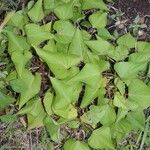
{"x":28,"y":86}
{"x":88,"y":4}
{"x":36,"y":34}
{"x":73,"y":145}
{"x":101,"y":139}
{"x":36,"y":13}
{"x":129,"y":70}
{"x":98,"y":20}
{"x":65,"y":31}
{"x":17,"y":43}
{"x":139,"y":93}
{"x":64,"y":11}
{"x":5,"y":100}
{"x":127,"y":40}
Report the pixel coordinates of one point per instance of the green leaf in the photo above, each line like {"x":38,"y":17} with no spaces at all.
{"x":74,"y":124}
{"x":68,"y":113}
{"x":137,"y":119}
{"x":90,"y":93}
{"x":20,"y":65}
{"x":121,"y":114}
{"x":36,"y":13}
{"x":16,"y":43}
{"x":36,"y":34}
{"x":5,"y":100}
{"x":50,"y":4}
{"x":140,"y":57}
{"x":35,"y":113}
{"x":74,"y":145}
{"x":8,"y":118}
{"x":50,"y":46}
{"x":98,"y":20}
{"x":101,"y":139}
{"x":18,"y":20}
{"x":120,"y":85}
{"x":64,"y":11}
{"x":64,"y":93}
{"x":77,"y":45}
{"x":90,"y":57}
{"x":139,"y":93}
{"x":127,"y":40}
{"x":107,"y":114}
{"x":90,"y":74}
{"x":60,"y":63}
{"x":47,"y":101}
{"x":62,"y":47}
{"x":47,"y":27}
{"x":104,"y":114}
{"x":143,"y":46}
{"x":28,"y":86}
{"x":65,"y":31}
{"x":53,"y":129}
{"x":119,"y":53}
{"x":104,"y":33}
{"x":88,"y":4}
{"x":121,"y":129}
{"x":120,"y":101}
{"x":128,"y":70}
{"x":99,"y":46}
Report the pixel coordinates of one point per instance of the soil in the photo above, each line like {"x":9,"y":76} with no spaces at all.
{"x":132,"y":9}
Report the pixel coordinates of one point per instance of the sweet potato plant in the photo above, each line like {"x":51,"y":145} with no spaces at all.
{"x":96,"y":81}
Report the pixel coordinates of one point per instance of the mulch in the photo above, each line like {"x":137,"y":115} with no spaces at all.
{"x":132,"y":8}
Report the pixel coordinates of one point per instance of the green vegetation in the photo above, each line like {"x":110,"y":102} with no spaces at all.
{"x":98,"y":83}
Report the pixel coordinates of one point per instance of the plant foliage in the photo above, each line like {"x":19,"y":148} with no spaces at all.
{"x":77,"y":62}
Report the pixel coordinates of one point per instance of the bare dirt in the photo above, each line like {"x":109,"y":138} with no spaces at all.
{"x":132,"y":9}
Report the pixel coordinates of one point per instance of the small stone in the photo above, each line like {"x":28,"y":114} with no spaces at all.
{"x":140,"y":32}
